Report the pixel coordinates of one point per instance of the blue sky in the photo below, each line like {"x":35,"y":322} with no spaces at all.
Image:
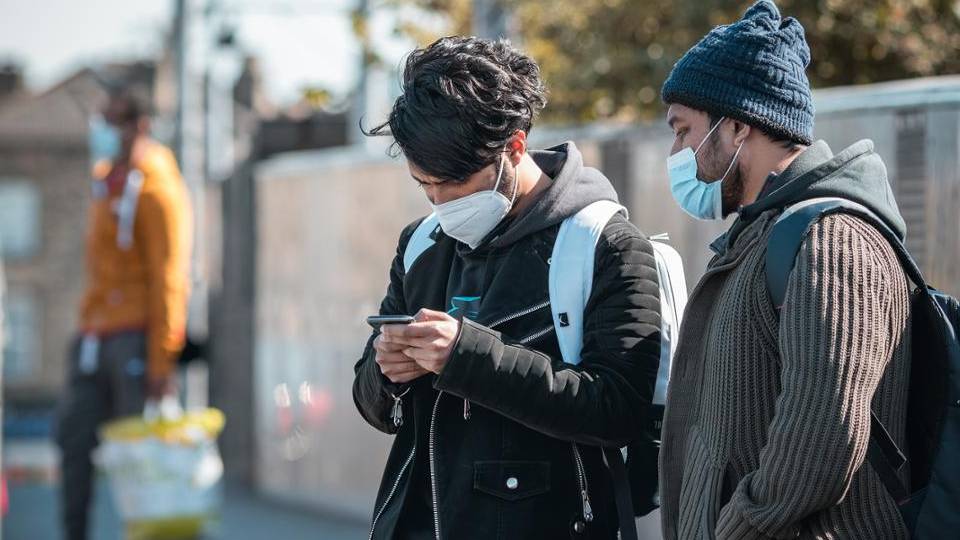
{"x":299,"y":42}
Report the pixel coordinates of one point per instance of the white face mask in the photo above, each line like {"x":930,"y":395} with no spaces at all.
{"x":470,"y":219}
{"x":700,"y":199}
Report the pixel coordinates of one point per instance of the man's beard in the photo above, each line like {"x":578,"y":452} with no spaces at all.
{"x":731,"y":191}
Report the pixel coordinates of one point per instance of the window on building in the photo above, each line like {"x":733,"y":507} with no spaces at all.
{"x":19,"y":218}
{"x":19,"y":335}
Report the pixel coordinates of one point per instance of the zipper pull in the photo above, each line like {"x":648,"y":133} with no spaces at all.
{"x":587,"y":509}
{"x":466,"y":409}
{"x":397,"y":413}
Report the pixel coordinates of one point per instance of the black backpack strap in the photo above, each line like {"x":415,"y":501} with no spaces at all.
{"x":791,"y":230}
{"x":886,"y":459}
{"x":783,"y":245}
{"x":621,"y":492}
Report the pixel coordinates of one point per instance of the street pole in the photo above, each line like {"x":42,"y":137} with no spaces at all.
{"x":189,"y":146}
{"x":179,"y":51}
{"x":2,"y":343}
{"x":354,"y":135}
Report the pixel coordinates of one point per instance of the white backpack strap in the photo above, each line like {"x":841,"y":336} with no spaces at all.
{"x":673,"y":300}
{"x":571,"y":273}
{"x":127,"y":209}
{"x":420,"y":241}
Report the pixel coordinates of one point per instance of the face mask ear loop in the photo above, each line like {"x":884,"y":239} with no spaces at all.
{"x":734,"y":160}
{"x":516,"y":188}
{"x":709,"y":133}
{"x":503,"y":160}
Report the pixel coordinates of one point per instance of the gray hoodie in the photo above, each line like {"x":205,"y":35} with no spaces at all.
{"x":572,"y":187}
{"x":857,"y":173}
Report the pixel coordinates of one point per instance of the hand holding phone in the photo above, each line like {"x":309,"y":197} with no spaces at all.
{"x":394,"y":364}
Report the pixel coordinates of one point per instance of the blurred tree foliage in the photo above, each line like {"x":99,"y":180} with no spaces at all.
{"x":606,"y":59}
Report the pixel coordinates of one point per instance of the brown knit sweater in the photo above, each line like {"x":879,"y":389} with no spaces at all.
{"x":768,"y":416}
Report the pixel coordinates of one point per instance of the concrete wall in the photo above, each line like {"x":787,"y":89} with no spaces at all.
{"x":328,"y":228}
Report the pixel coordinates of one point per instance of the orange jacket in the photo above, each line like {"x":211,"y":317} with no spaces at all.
{"x":141,"y":281}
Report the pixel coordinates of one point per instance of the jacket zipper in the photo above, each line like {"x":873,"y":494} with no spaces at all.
{"x":680,"y":369}
{"x":722,"y":267}
{"x":466,"y":403}
{"x":536,"y":335}
{"x":582,"y":479}
{"x":467,"y":414}
{"x":393,"y":490}
{"x":433,"y":468}
{"x":526,"y":311}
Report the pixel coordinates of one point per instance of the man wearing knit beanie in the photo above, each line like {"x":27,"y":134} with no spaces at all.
{"x":768,"y":417}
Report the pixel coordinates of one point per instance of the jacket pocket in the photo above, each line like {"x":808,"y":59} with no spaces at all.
{"x":512,"y":480}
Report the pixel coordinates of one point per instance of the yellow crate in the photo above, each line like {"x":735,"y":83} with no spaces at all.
{"x":133,"y":428}
{"x":181,"y":528}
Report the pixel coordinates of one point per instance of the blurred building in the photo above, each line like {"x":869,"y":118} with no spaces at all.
{"x":44,"y":193}
{"x":11,"y":81}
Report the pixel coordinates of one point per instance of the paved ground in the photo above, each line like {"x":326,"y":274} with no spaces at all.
{"x":30,"y":465}
{"x":245,"y":516}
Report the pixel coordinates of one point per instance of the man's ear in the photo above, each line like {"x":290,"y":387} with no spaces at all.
{"x":741,"y":132}
{"x":517,"y":147}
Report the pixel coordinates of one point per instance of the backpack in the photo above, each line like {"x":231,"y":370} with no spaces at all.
{"x":570,"y":283}
{"x":929,"y":503}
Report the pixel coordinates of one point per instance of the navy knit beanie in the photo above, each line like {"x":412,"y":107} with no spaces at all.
{"x":752,"y":71}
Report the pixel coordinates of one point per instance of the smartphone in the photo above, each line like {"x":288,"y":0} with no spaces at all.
{"x":376,"y":321}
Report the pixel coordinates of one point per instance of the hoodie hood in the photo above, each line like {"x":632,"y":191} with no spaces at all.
{"x":856,"y":174}
{"x":572,"y":187}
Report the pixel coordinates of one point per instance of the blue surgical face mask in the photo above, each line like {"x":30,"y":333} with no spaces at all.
{"x":702,"y":200}
{"x":105,"y":140}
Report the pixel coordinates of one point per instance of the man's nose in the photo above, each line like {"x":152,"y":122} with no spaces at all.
{"x":431,"y":194}
{"x":435,"y":196}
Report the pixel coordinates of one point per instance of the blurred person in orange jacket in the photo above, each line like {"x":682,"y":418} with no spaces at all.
{"x":133,"y":313}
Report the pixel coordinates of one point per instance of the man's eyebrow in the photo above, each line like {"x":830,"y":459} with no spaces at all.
{"x":672,"y":120}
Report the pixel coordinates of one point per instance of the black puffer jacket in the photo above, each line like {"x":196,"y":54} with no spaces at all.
{"x":503,"y":443}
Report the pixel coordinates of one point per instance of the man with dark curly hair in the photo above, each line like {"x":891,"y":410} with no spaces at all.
{"x":497,"y":436}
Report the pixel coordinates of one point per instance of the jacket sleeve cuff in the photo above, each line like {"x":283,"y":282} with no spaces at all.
{"x":469,"y":358}
{"x":733,"y":526}
{"x":734,"y":522}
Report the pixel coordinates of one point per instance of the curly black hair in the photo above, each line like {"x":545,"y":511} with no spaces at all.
{"x":463,"y":98}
